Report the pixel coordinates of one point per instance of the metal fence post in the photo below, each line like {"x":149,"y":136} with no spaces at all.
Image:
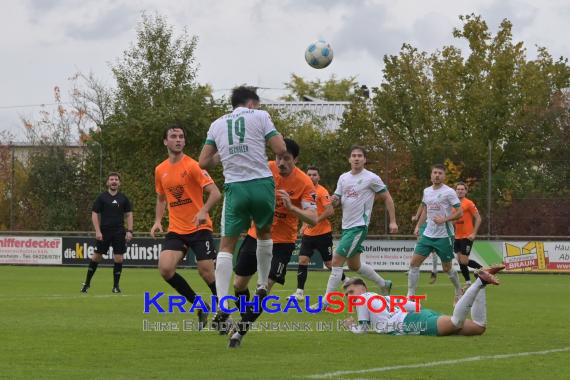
{"x":489,"y":184}
{"x":100,"y":165}
{"x":12,"y":186}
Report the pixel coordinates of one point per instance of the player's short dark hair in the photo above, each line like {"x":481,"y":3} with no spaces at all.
{"x":439,"y":166}
{"x":113,"y":174}
{"x":292,"y":147}
{"x":357,"y":147}
{"x":461,"y":183}
{"x":312,"y":167}
{"x":242,"y":94}
{"x":354,"y":281}
{"x":170,"y":127}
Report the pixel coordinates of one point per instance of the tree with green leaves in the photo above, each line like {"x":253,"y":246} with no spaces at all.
{"x":447,"y":106}
{"x":155,"y":87}
{"x":332,"y":89}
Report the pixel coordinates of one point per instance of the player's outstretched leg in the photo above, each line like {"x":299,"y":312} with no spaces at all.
{"x":493,"y":269}
{"x":474,"y":301}
{"x":466,"y":302}
{"x":369,"y":272}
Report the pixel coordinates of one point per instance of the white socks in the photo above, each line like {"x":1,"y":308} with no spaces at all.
{"x":464,"y":305}
{"x":434,"y":263}
{"x":413,"y":276}
{"x":334,"y":279}
{"x":455,"y":280}
{"x":368,"y":272}
{"x":224,"y":269}
{"x":479,"y":308}
{"x":264,"y":254}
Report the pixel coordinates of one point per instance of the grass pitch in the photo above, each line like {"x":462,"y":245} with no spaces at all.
{"x":49,"y":330}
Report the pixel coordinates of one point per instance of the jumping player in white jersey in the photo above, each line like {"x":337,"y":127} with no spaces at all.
{"x":438,"y":202}
{"x":356,"y":191}
{"x":426,"y":321}
{"x":238,"y":140}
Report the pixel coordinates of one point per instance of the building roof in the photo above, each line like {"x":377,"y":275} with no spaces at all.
{"x":332,"y":112}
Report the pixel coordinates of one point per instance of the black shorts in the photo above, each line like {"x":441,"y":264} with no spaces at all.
{"x":463,"y":246}
{"x":115,"y":239}
{"x":246,"y":264}
{"x":322,"y":243}
{"x":200,"y":242}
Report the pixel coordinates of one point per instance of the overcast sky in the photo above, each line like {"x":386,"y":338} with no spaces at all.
{"x":259,"y":42}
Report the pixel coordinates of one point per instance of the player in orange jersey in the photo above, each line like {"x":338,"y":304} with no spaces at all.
{"x":317,"y":238}
{"x":180,"y":185}
{"x":465,"y":232}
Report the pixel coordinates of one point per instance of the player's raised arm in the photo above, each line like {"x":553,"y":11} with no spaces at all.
{"x":277,"y":144}
{"x":209,"y":156}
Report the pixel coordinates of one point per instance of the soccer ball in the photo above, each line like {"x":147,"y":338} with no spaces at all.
{"x":319,"y":54}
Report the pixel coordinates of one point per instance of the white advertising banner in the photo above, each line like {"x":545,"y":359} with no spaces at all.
{"x":393,"y":255}
{"x":30,"y":250}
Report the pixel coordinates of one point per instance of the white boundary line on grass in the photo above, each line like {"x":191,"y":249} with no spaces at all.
{"x":433,"y":364}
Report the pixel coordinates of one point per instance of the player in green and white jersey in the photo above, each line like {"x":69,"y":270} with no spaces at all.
{"x":426,"y":321}
{"x":438,"y":202}
{"x":419,"y":231}
{"x":356,"y":192}
{"x":238,"y":141}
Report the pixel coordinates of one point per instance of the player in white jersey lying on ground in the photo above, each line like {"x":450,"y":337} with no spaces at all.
{"x":426,"y":322}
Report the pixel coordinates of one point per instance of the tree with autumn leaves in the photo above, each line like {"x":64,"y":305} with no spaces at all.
{"x":448,"y":106}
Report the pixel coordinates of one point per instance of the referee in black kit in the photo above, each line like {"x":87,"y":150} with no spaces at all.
{"x":109,"y":211}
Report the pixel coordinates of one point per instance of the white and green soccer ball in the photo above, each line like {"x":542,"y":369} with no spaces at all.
{"x":319,"y":54}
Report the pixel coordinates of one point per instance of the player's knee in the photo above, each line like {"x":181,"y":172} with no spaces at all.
{"x":328,"y":264}
{"x":166,"y":272}
{"x":481,"y":330}
{"x":353,"y":266}
{"x":417,"y":260}
{"x":240,"y":284}
{"x":414,"y":269}
{"x":304,"y":260}
{"x":228,"y":243}
{"x":119,"y":259}
{"x":337,"y":260}
{"x":263,"y":234}
{"x":97,"y":257}
{"x":446,"y":266}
